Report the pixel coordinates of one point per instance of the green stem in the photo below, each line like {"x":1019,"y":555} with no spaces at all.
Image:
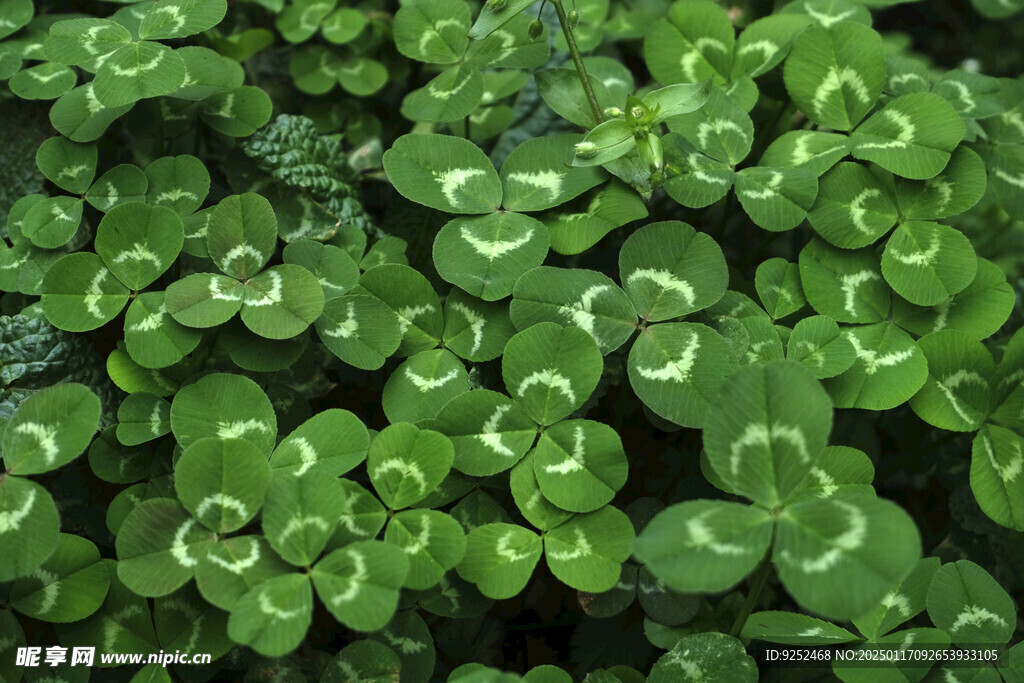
{"x":577,"y":60}
{"x":752,"y":596}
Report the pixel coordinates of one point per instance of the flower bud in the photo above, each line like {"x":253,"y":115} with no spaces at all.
{"x":613,"y":112}
{"x":536,"y":28}
{"x":573,"y":18}
{"x":586,"y":150}
{"x":496,"y":5}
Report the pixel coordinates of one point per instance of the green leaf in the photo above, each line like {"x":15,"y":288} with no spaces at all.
{"x":15,"y":14}
{"x":71,"y":166}
{"x":778,"y":286}
{"x":282,"y":301}
{"x":300,"y":20}
{"x":208,"y":75}
{"x":333,"y":441}
{"x":812,"y":149}
{"x":46,"y":81}
{"x":422,"y":385}
{"x":669,"y":269}
{"x":587,"y":551}
{"x":776,"y":198}
{"x":237,"y":113}
{"x":700,"y":180}
{"x":705,"y":657}
{"x":499,"y":559}
{"x":817,"y":344}
{"x":181,"y":18}
{"x":677,"y":370}
{"x":334,"y":269}
{"x":494,"y":17}
{"x":890,"y":368}
{"x":485,"y":255}
{"x":359,"y":583}
{"x":614,"y":206}
{"x":137,"y":71}
{"x":847,"y":286}
{"x":959,"y":393}
{"x":473,"y":329}
{"x":274,"y":616}
{"x":121,"y":184}
{"x":142,"y":417}
{"x":221,"y":482}
{"x":79,"y":116}
{"x":694,"y":43}
{"x":854,"y":207}
{"x":412,"y":298}
{"x":789,"y":628}
{"x":562,"y":90}
{"x":449,"y":96}
{"x":53,"y":222}
{"x":132,"y":378}
{"x":204,"y":299}
{"x":551,"y":370}
{"x":367,"y":660}
{"x":360,"y":330}
{"x":226,"y":407}
{"x":153,"y":338}
{"x":926,"y":262}
{"x":536,"y":509}
{"x":488,"y":431}
{"x":997,"y":458}
{"x":444,"y":173}
{"x":719,"y":129}
{"x":301,"y":512}
{"x":510,"y":47}
{"x":584,"y":298}
{"x":835,"y":75}
{"x":764,"y":43}
{"x":405,"y":463}
{"x":242,"y":234}
{"x":411,"y":639}
{"x":537,"y":174}
{"x":69,"y":586}
{"x":580,"y":465}
{"x":31,"y":528}
{"x":159,"y":546}
{"x":432,"y":541}
{"x":911,"y":136}
{"x":362,"y":76}
{"x":957,"y":188}
{"x":840,"y":556}
{"x":180,"y":182}
{"x":362,"y":516}
{"x":768,"y":427}
{"x":138,"y":242}
{"x":967,"y":603}
{"x":902,"y":603}
{"x":80,"y":294}
{"x":433,"y":32}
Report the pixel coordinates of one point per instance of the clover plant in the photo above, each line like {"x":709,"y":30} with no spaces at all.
{"x":604,"y":341}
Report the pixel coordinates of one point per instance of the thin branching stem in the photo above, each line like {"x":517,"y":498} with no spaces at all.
{"x":577,"y":60}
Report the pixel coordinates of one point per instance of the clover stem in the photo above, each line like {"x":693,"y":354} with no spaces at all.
{"x":577,"y":60}
{"x":755,"y":592}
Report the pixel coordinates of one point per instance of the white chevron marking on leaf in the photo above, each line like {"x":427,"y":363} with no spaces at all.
{"x":582,"y":549}
{"x":834,"y":81}
{"x":409,"y":313}
{"x":898,"y":602}
{"x":454,"y":180}
{"x":406,"y":645}
{"x":355,"y":581}
{"x":849,"y":284}
{"x":551,"y":379}
{"x":759,"y":434}
{"x":405,"y":469}
{"x":825,"y":481}
{"x":872,"y":361}
{"x":770,"y":188}
{"x":150,"y":322}
{"x":225,"y":501}
{"x":155,"y":420}
{"x":853,"y":538}
{"x":45,"y":436}
{"x":476,"y":321}
{"x":271,"y":296}
{"x":424,"y":384}
{"x":489,"y":433}
{"x":1017,"y":180}
{"x":676,"y":371}
{"x":503,"y":549}
{"x":951,"y":382}
{"x":496,"y":248}
{"x":857,"y":208}
{"x":575,"y":463}
{"x":93,"y":294}
{"x":345,"y":329}
{"x":241,"y":564}
{"x":11,"y":519}
{"x":717,"y":126}
{"x":179,"y":550}
{"x":963,"y":94}
{"x":975,"y":615}
{"x":918,"y":258}
{"x":1010,"y":471}
{"x":50,"y":589}
{"x":579,"y":313}
{"x":137,"y":253}
{"x":307,"y":455}
{"x":702,"y":537}
{"x":421,"y":541}
{"x":827,"y":20}
{"x":542,"y":180}
{"x":238,"y":428}
{"x":140,"y":68}
{"x":665,"y":280}
{"x":272,"y":610}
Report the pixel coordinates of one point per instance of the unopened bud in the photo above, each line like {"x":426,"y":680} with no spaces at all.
{"x":536,"y":28}
{"x":613,"y":112}
{"x":638,"y":112}
{"x":496,"y":5}
{"x":573,"y":18}
{"x":586,"y":150}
